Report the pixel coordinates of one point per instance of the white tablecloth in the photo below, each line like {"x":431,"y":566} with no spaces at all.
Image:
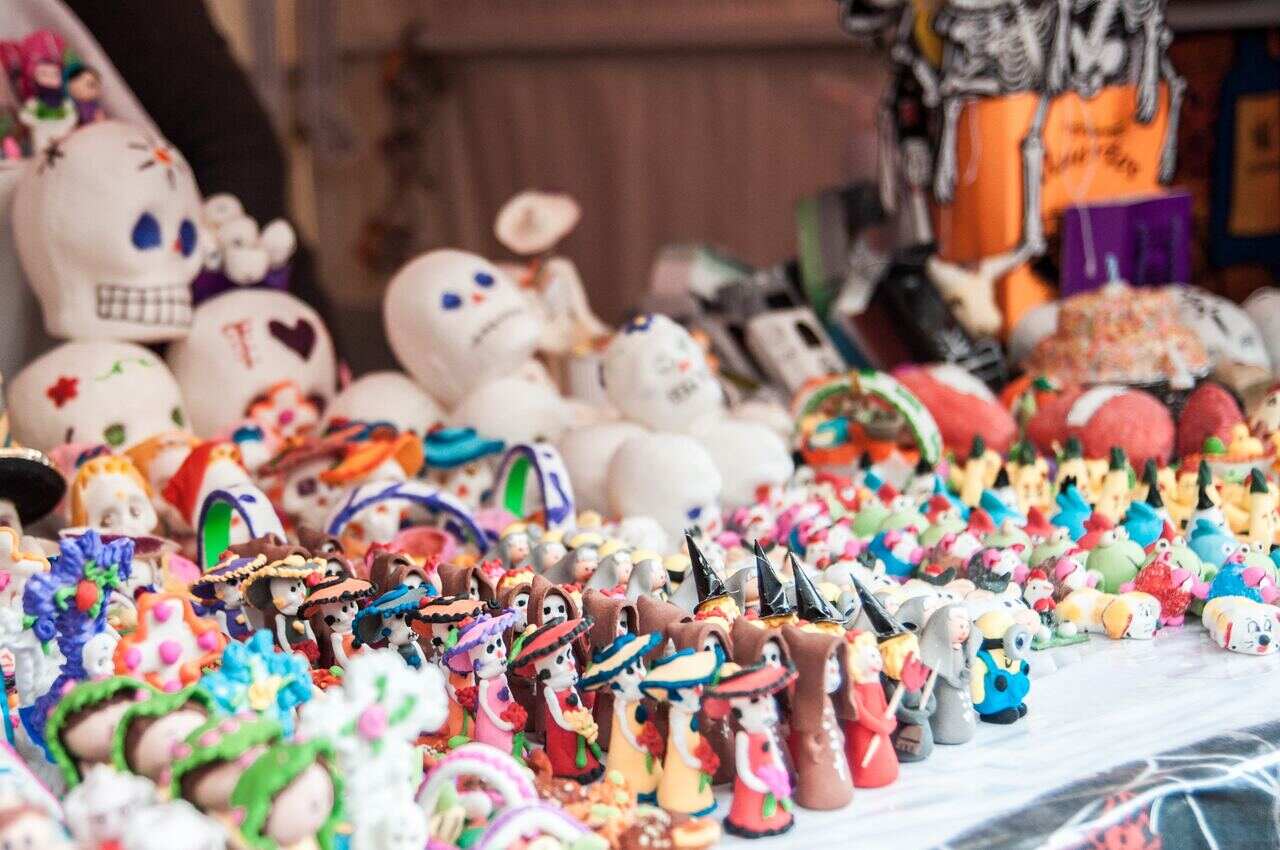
{"x":1106,"y":703}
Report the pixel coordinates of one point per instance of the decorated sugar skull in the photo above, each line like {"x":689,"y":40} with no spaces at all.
{"x":668,"y":477}
{"x":98,"y":391}
{"x":109,"y":494}
{"x":246,"y":343}
{"x":657,"y":375}
{"x":105,"y":224}
{"x":284,"y":410}
{"x":307,"y":497}
{"x":455,"y":322}
{"x":386,"y":397}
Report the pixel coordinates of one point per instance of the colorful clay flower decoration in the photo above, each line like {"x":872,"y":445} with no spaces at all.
{"x":255,"y":677}
{"x":171,"y":647}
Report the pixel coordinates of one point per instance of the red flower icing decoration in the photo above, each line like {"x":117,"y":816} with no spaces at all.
{"x":515,"y":715}
{"x":467,"y":697}
{"x":63,"y":390}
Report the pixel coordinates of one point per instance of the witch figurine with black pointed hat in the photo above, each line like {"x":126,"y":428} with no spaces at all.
{"x":811,"y":606}
{"x":776,"y":610}
{"x":545,"y":653}
{"x":713,"y":597}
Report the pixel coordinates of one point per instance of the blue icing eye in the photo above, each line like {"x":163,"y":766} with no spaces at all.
{"x":693,"y":513}
{"x":449,"y":301}
{"x":484,"y":279}
{"x":146,"y":232}
{"x":187,"y":237}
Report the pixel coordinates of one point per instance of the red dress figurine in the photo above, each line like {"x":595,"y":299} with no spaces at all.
{"x":872,"y":759}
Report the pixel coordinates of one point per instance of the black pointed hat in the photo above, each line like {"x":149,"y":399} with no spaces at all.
{"x":1257,"y":482}
{"x":1150,"y":478}
{"x":1002,"y":479}
{"x":882,"y":622}
{"x":810,"y":604}
{"x":1204,"y":478}
{"x":771,"y":590}
{"x":706,"y":580}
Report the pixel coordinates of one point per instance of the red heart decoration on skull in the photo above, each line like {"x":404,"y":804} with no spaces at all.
{"x":300,"y":339}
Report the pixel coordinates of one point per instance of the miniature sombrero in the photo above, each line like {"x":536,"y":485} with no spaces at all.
{"x":448,"y":448}
{"x":290,"y":566}
{"x":472,"y":635}
{"x":538,"y":643}
{"x":364,"y":457}
{"x":624,"y":650}
{"x":687,"y":668}
{"x":399,"y":600}
{"x":448,"y":609}
{"x":233,"y":569}
{"x":342,"y":590}
{"x":30,"y":480}
{"x":758,"y":680}
{"x":533,"y":222}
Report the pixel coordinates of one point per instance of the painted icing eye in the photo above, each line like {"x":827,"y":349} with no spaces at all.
{"x":113,"y":435}
{"x":694,"y":512}
{"x":146,"y":232}
{"x":186,"y":237}
{"x":177,"y":418}
{"x":306,"y":487}
{"x":484,"y":279}
{"x":450,"y":301}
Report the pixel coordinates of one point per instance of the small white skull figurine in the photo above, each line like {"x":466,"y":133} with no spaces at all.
{"x":106,"y":225}
{"x":456,"y":322}
{"x":668,"y":477}
{"x":241,"y":251}
{"x":386,"y":397}
{"x":115,"y":393}
{"x":243,"y":344}
{"x":656,"y":374}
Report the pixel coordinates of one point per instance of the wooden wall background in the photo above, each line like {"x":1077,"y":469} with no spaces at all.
{"x":669,"y":120}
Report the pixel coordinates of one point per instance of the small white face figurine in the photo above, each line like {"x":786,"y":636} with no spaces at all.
{"x":560,"y":668}
{"x":98,"y":655}
{"x":771,"y":652}
{"x":306,"y":497}
{"x":491,"y":658}
{"x":657,"y":375}
{"x":339,"y":616}
{"x":456,"y":322}
{"x":115,"y":393}
{"x":287,"y":594}
{"x":554,"y":607}
{"x":105,"y":222}
{"x":386,"y":397}
{"x":108,"y":495}
{"x":520,"y":605}
{"x":757,"y":714}
{"x":668,"y":477}
{"x":245,"y":343}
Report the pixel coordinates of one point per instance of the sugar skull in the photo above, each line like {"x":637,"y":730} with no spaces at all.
{"x":386,"y":397}
{"x":115,"y":393}
{"x":105,"y":223}
{"x":657,"y":375}
{"x":109,"y":494}
{"x":243,"y":344}
{"x":455,"y":321}
{"x":667,"y":477}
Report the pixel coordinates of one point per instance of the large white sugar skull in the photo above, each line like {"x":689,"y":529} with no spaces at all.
{"x":668,"y":477}
{"x":748,"y":454}
{"x":242,"y":344}
{"x":515,"y":410}
{"x":656,"y":374}
{"x":586,"y":452}
{"x":386,"y":397}
{"x":116,"y":393}
{"x":105,"y":223}
{"x":455,"y":321}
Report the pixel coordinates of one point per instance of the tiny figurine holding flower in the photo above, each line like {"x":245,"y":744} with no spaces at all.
{"x":255,"y":676}
{"x":277,"y":590}
{"x":685,"y":785}
{"x":388,"y":620}
{"x":546,"y":654}
{"x":481,"y":651}
{"x":635,"y":744}
{"x":331,"y":608}
{"x":437,"y":621}
{"x":219,"y":592}
{"x":762,"y":787}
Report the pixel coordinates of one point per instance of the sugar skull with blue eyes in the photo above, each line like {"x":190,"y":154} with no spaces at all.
{"x":456,"y":322}
{"x":656,"y":374}
{"x":106,"y":225}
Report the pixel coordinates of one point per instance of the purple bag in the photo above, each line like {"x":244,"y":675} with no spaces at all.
{"x":1148,"y":237}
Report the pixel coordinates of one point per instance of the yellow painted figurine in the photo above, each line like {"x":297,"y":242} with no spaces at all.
{"x":634,"y":741}
{"x":690,"y":763}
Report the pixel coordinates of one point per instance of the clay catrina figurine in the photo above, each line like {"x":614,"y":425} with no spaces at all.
{"x":948,"y":645}
{"x":868,"y":723}
{"x":331,"y":609}
{"x":389,"y":570}
{"x":208,"y":764}
{"x":437,"y":622}
{"x":690,"y":763}
{"x":327,"y":548}
{"x":754,"y":644}
{"x":219,"y":592}
{"x":762,"y":786}
{"x":613,"y":616}
{"x":549,"y":602}
{"x":387,"y":621}
{"x":277,"y":591}
{"x":466,"y":581}
{"x":546,"y":654}
{"x":710,"y":636}
{"x":480,"y":651}
{"x":78,"y":733}
{"x":817,"y":744}
{"x":636,"y":748}
{"x":144,"y":739}
{"x":290,"y":798}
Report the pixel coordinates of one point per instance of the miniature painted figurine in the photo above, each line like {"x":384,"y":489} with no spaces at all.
{"x":277,"y":590}
{"x":636,"y":744}
{"x":690,"y":763}
{"x":546,"y":653}
{"x":1242,"y":625}
{"x":762,"y":787}
{"x":1000,"y":672}
{"x":388,"y":621}
{"x":1125,"y":615}
{"x":481,"y":651}
{"x":290,"y":798}
{"x":79,"y":731}
{"x":948,"y":646}
{"x":207,"y":765}
{"x":110,"y":495}
{"x":817,"y":743}
{"x":872,"y":759}
{"x":100,"y":809}
{"x":331,"y":609}
{"x":220,"y":593}
{"x":143,"y":741}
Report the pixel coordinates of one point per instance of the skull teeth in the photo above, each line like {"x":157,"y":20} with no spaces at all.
{"x":168,"y":306}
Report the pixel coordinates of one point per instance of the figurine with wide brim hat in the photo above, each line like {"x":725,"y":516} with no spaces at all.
{"x":759,"y":680}
{"x":30,"y":480}
{"x":544,"y":640}
{"x":335,"y":593}
{"x":299,"y":451}
{"x":625,"y":650}
{"x":475,"y":634}
{"x":449,"y":448}
{"x":532,"y":222}
{"x":690,"y":763}
{"x":364,"y":457}
{"x":635,"y":744}
{"x":401,"y":601}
